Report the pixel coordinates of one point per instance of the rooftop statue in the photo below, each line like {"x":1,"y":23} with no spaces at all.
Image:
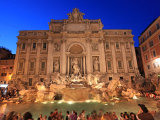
{"x":75,"y":16}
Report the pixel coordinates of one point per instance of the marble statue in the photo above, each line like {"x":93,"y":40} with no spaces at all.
{"x":96,"y":64}
{"x":76,"y":69}
{"x":56,"y":66}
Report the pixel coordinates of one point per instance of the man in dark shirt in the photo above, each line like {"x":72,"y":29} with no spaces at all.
{"x":143,"y":113}
{"x":50,"y":116}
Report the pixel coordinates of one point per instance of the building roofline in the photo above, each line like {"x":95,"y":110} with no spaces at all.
{"x":148,"y":26}
{"x":31,"y":30}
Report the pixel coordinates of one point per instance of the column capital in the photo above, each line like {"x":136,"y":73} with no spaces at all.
{"x":50,"y":41}
{"x":88,"y":40}
{"x":101,"y":40}
{"x":63,"y":40}
{"x":112,"y":43}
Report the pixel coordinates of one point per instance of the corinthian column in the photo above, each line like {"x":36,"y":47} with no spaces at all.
{"x":124,"y":58}
{"x":38,"y":57}
{"x":134,"y":57}
{"x":16,"y":59}
{"x":27,"y":58}
{"x":114,"y":57}
{"x":88,"y":61}
{"x":63,"y":57}
{"x":102,"y":57}
{"x":49,"y":57}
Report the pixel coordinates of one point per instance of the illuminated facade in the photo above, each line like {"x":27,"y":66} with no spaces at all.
{"x":6,"y":70}
{"x":150,"y":48}
{"x":74,"y":46}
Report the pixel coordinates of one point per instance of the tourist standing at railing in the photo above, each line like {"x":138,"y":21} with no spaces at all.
{"x":121,"y":116}
{"x":40,"y":117}
{"x":50,"y":116}
{"x":67,"y":116}
{"x":143,"y":113}
{"x":133,"y":116}
{"x":27,"y":116}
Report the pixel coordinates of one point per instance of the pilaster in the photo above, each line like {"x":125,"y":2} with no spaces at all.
{"x":38,"y":57}
{"x":63,"y":57}
{"x":102,"y":57}
{"x":16,"y":59}
{"x":49,"y":57}
{"x":134,"y":57}
{"x":27,"y":58}
{"x":114,"y":57}
{"x":88,"y":61}
{"x":124,"y":58}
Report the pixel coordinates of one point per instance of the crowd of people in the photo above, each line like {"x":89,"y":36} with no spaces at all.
{"x":6,"y":94}
{"x":143,"y":114}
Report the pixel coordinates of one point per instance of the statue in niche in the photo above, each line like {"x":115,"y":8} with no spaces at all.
{"x":76,"y":69}
{"x":56,"y":66}
{"x":56,"y":47}
{"x":96,"y":65}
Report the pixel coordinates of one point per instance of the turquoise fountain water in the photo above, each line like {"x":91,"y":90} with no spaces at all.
{"x":45,"y":108}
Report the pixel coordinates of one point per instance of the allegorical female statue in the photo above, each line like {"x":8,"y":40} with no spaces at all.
{"x":76,"y":69}
{"x":96,"y":65}
{"x":56,"y":66}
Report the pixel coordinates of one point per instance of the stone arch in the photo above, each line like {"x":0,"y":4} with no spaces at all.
{"x":76,"y":48}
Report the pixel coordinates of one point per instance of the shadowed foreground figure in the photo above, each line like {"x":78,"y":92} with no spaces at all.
{"x":143,"y":113}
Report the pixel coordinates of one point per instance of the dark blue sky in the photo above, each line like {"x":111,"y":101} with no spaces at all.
{"x":18,"y":15}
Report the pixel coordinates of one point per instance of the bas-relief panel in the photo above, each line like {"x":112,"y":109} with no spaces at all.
{"x":94,"y":46}
{"x":75,"y":27}
{"x":56,"y":47}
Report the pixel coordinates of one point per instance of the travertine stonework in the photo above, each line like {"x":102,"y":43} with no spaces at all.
{"x":74,"y":46}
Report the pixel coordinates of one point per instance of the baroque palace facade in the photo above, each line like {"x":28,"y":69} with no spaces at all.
{"x":74,"y":46}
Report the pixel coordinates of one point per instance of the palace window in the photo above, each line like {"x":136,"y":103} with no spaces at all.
{"x":31,"y":66}
{"x":132,"y":78}
{"x":150,"y":33}
{"x":44,"y":46}
{"x":41,"y":79}
{"x":117,"y":45}
{"x":157,"y":25}
{"x":144,"y":48}
{"x":20,"y":66}
{"x":159,"y":37}
{"x":23,"y":46}
{"x":146,"y":57}
{"x":151,"y":43}
{"x":121,"y":78}
{"x":154,"y":53}
{"x":42,"y":66}
{"x":107,"y":45}
{"x":130,"y":64}
{"x":119,"y":64}
{"x":109,"y":65}
{"x":3,"y":74}
{"x":127,"y":45}
{"x":142,"y":39}
{"x":148,"y":66}
{"x":30,"y":81}
{"x":110,"y":78}
{"x":34,"y":46}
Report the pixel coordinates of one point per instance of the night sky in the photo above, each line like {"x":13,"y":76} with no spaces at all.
{"x":16,"y":15}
